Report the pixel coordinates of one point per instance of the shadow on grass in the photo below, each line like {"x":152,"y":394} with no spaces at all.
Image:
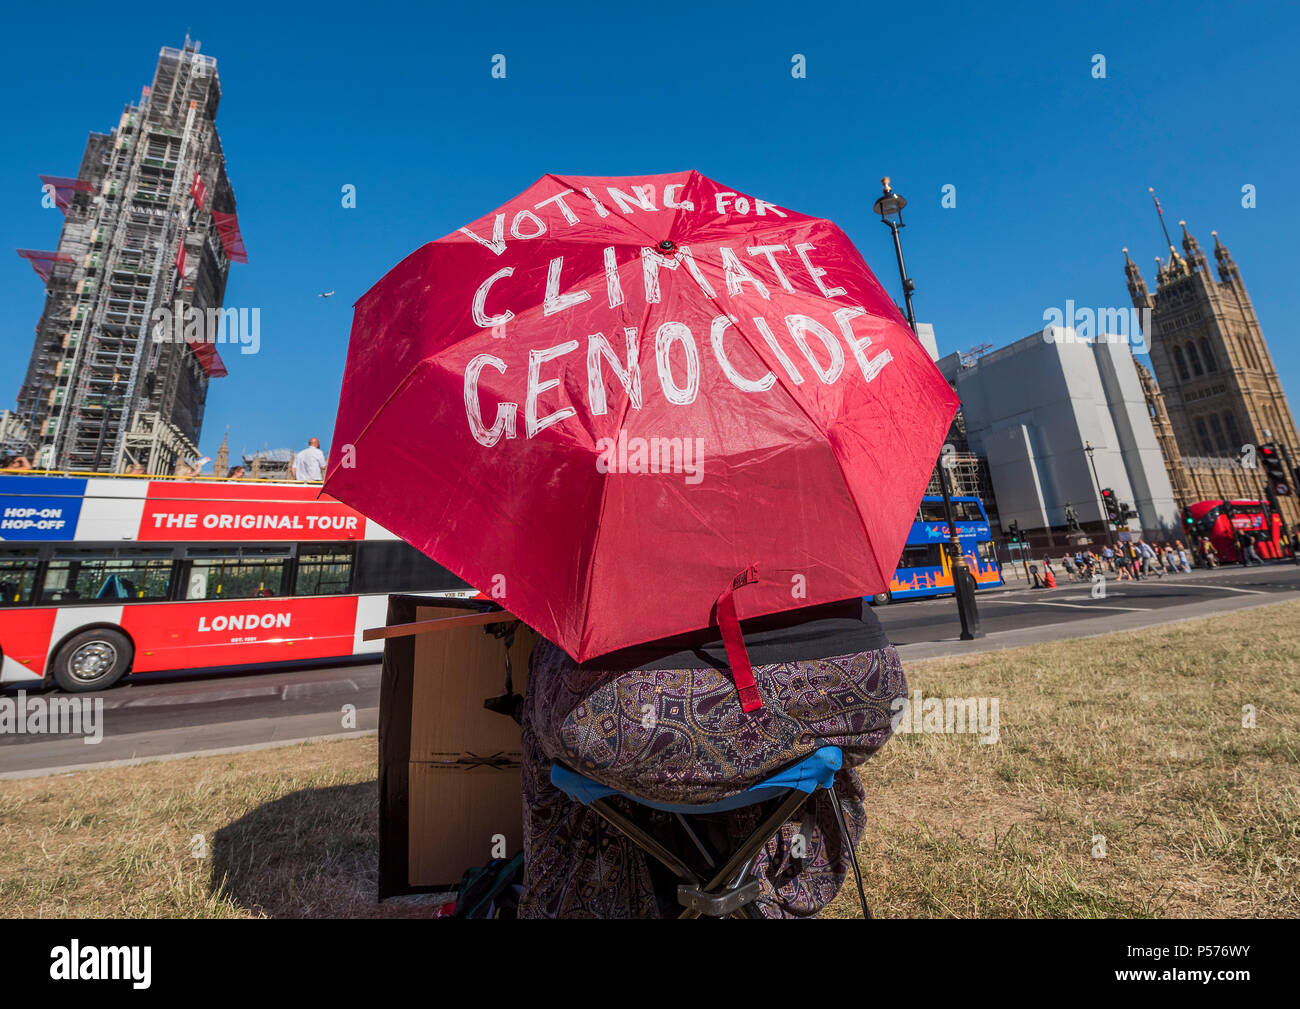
{"x":311,"y":854}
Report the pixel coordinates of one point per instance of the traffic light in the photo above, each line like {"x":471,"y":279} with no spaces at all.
{"x":1014,"y":531}
{"x":1274,"y":469}
{"x":1112,"y":505}
{"x":1188,"y":520}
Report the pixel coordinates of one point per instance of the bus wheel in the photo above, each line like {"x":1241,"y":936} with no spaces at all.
{"x":92,"y":660}
{"x":882,"y":599}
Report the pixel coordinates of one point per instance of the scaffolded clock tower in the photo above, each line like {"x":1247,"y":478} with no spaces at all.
{"x":149,"y":223}
{"x":1218,"y":387}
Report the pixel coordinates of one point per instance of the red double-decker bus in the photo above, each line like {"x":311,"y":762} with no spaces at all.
{"x":101,"y":576}
{"x":1210,"y":518}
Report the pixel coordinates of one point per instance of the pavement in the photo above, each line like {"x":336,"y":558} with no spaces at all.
{"x":165,"y":717}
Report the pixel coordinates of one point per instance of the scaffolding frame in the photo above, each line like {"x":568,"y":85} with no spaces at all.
{"x":96,"y":365}
{"x":155,"y":446}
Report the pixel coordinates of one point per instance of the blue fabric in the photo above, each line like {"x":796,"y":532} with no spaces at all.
{"x":817,"y":770}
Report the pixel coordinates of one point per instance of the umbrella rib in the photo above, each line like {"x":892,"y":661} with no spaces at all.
{"x":604,"y":488}
{"x":824,"y":431}
{"x":410,"y":376}
{"x":797,"y":401}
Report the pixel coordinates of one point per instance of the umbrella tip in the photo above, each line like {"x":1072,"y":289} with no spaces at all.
{"x":667,"y":245}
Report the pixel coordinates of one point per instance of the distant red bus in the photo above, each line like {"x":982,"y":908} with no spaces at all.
{"x":1210,"y":518}
{"x":101,"y":576}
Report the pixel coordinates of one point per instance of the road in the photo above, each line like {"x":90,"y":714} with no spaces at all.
{"x":934,"y":620}
{"x":155,"y":716}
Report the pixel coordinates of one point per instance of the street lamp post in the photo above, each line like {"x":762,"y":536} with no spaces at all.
{"x":890,"y":208}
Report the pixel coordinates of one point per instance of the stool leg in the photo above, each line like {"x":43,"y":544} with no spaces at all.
{"x":695,"y":838}
{"x":758,"y":838}
{"x":644,"y":841}
{"x":848,"y":843}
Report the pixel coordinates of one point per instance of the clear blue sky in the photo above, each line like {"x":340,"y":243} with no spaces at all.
{"x":1051,"y":165}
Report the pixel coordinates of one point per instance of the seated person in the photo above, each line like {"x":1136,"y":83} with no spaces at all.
{"x":663,"y":721}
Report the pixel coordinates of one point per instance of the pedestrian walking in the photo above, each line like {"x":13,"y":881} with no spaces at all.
{"x":1252,"y":555}
{"x":1135,"y":561}
{"x":1148,"y":555}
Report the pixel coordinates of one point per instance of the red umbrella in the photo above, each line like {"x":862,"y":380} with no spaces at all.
{"x":602,"y":400}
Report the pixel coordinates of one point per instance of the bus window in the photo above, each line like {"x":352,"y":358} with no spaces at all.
{"x":245,"y":573}
{"x":324,"y":569}
{"x":393,"y":566}
{"x":966,"y":511}
{"x":137,"y":575}
{"x":932,"y":511}
{"x":18,"y":577}
{"x":925,"y":556}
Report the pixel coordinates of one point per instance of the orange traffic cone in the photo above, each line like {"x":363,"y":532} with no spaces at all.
{"x":1049,"y":579}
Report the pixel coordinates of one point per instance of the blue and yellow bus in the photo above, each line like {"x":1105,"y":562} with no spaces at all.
{"x":924,"y":569}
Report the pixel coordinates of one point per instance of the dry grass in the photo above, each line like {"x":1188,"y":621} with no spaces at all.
{"x":286,"y":833}
{"x":1136,"y":737}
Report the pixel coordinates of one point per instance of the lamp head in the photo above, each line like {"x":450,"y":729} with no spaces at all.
{"x":890,"y":204}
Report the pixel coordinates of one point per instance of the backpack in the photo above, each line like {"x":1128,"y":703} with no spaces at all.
{"x":492,"y":890}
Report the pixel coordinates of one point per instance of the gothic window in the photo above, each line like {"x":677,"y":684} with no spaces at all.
{"x":1195,"y":359}
{"x":1234,"y":433}
{"x":1219,"y":438}
{"x":1203,"y":435}
{"x":1181,"y":363}
{"x":1207,"y":353}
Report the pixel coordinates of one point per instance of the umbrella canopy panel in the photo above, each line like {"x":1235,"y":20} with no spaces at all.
{"x":602,"y":400}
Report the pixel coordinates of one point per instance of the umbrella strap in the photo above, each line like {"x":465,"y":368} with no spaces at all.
{"x":734,"y":642}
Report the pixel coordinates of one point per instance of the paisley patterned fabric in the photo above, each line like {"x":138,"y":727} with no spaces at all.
{"x":680,"y":736}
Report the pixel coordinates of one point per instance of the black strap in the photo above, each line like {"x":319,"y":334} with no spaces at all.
{"x":509,"y":703}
